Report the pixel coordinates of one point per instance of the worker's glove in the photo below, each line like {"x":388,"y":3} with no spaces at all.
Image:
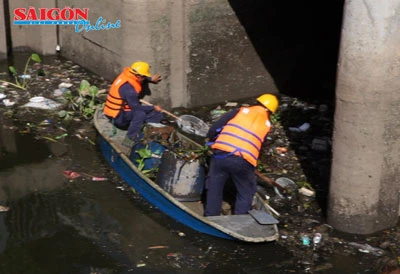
{"x":156,"y":78}
{"x":157,"y":108}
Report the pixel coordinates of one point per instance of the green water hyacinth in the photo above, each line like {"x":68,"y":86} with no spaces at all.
{"x":22,"y":81}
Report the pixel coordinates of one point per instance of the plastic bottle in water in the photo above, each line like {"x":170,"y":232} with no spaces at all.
{"x":317,"y":238}
{"x":305,"y":240}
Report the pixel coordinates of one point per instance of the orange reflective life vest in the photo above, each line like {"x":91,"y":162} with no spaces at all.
{"x":244,"y":134}
{"x":114,"y":101}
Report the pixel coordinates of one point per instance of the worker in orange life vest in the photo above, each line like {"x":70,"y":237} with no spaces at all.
{"x":123,"y":105}
{"x":237,"y":138}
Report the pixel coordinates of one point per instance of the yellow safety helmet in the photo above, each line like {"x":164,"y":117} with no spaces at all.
{"x":141,"y":68}
{"x":269,"y":101}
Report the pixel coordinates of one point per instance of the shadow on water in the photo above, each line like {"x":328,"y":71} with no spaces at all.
{"x":59,"y":226}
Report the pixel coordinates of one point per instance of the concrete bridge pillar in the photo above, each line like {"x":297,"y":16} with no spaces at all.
{"x":3,"y":39}
{"x":365,"y":180}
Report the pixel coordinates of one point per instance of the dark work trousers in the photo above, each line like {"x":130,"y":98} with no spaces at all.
{"x":243,"y":176}
{"x":133,"y":120}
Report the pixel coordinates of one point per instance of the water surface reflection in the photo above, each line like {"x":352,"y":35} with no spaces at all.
{"x":59,"y":226}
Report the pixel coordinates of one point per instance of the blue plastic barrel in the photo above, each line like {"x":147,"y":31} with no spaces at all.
{"x":156,"y":152}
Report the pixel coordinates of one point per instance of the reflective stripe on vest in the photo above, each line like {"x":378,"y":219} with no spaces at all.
{"x":244,"y":134}
{"x":114,"y":101}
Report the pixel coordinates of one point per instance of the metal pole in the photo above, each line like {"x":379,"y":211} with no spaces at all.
{"x":7,"y":23}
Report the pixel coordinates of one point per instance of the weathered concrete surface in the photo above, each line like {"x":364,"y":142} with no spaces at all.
{"x":41,"y":39}
{"x":364,"y":190}
{"x":199,"y":47}
{"x":143,"y":35}
{"x":3,"y":45}
{"x":208,"y":51}
{"x":223,"y":62}
{"x":99,"y":51}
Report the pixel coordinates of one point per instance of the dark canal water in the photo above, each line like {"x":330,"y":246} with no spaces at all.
{"x":55,"y":225}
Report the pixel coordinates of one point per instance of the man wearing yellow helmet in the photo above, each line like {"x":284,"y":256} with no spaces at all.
{"x":237,"y":138}
{"x":123,"y":105}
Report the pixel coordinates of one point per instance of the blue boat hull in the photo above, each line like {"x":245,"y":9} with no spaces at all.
{"x":154,"y":194}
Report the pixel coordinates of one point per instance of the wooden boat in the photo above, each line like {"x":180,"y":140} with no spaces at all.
{"x":257,"y":227}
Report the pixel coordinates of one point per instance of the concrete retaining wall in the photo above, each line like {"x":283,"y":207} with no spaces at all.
{"x":197,"y":46}
{"x":3,"y":45}
{"x":224,"y":65}
{"x":40,"y":39}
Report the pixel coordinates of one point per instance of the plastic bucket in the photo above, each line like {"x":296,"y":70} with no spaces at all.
{"x":184,"y":180}
{"x":193,"y":125}
{"x":285,"y":183}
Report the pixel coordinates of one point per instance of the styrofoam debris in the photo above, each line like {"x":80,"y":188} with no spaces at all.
{"x":231,"y":104}
{"x":307,"y":192}
{"x":42,"y":103}
{"x":302,"y":128}
{"x":64,"y":85}
{"x":8,"y":103}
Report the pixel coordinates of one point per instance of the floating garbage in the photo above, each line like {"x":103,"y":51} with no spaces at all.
{"x":304,"y":127}
{"x":8,"y":102}
{"x":317,"y":238}
{"x":216,"y":113}
{"x":99,"y":179}
{"x":366,"y":248}
{"x":42,"y":103}
{"x":61,"y":136}
{"x":231,"y":104}
{"x":58,"y":92}
{"x":4,"y":208}
{"x":45,"y":122}
{"x":158,"y":247}
{"x":64,"y":85}
{"x":281,"y":150}
{"x":307,"y":192}
{"x":305,"y":240}
{"x":319,"y":144}
{"x":285,"y":183}
{"x":71,"y":174}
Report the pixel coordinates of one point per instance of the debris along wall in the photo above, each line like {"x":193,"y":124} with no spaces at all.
{"x":364,"y":190}
{"x":39,"y":38}
{"x":224,"y":65}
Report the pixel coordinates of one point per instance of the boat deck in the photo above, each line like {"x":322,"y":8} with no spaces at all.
{"x":244,"y":225}
{"x":115,"y":134}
